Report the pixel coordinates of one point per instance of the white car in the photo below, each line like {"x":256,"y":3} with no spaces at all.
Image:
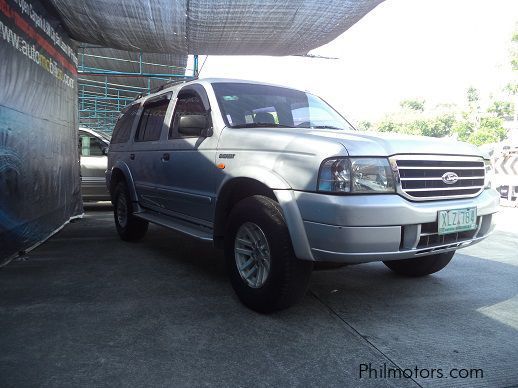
{"x":93,"y":150}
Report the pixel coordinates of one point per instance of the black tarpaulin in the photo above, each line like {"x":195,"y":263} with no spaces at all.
{"x":259,"y":27}
{"x":39,"y":167}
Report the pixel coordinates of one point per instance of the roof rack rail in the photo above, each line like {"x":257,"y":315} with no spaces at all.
{"x":166,"y":85}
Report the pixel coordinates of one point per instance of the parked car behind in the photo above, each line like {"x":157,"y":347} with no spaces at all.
{"x":93,"y":148}
{"x":281,"y":181}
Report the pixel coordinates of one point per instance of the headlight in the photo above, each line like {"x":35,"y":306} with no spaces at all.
{"x":489,"y":174}
{"x":335,"y":176}
{"x":356,"y":175}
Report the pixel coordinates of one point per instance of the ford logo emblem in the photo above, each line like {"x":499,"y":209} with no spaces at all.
{"x":450,"y":178}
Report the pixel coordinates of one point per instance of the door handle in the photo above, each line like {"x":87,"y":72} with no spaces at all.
{"x":132,"y":156}
{"x":165,"y":157}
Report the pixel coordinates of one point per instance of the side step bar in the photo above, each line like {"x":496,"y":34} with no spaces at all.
{"x":176,"y":224}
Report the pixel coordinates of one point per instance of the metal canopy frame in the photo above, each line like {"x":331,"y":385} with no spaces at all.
{"x":103,"y":92}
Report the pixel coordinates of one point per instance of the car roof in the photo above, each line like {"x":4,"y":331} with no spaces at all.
{"x":95,"y":133}
{"x":207,"y":81}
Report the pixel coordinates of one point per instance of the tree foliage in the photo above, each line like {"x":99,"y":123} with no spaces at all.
{"x":512,"y":88}
{"x":491,"y":131}
{"x":514,"y":50}
{"x":473,"y":95}
{"x":471,"y":123}
{"x":501,"y":109}
{"x":364,"y":125}
{"x":435,"y":126}
{"x":413,"y":104}
{"x":440,"y":126}
{"x":463,"y":129}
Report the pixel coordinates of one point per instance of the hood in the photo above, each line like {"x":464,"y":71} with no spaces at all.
{"x":388,"y":144}
{"x":327,"y":142}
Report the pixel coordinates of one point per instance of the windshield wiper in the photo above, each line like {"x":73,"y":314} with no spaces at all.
{"x":261,"y":125}
{"x":325,"y":127}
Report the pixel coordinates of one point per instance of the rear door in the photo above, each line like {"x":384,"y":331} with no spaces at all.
{"x":147,"y":155}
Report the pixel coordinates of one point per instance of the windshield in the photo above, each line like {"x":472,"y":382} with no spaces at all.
{"x":250,"y":105}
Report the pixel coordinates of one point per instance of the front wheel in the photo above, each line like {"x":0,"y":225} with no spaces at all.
{"x":420,"y":266}
{"x":262,"y":266}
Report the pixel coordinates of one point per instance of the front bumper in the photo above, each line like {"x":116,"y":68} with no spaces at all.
{"x":363,"y":228}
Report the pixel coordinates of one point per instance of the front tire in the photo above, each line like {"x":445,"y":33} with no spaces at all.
{"x":420,"y":266}
{"x":129,"y":227}
{"x":262,"y":266}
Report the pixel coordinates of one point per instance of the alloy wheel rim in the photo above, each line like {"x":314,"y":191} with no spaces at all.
{"x":252,"y":254}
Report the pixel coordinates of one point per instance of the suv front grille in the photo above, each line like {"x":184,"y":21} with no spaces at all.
{"x":421,"y":177}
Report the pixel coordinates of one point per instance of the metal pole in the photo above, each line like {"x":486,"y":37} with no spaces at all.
{"x":195,"y":70}
{"x":83,"y":60}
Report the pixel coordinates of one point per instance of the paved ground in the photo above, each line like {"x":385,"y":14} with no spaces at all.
{"x":86,"y":309}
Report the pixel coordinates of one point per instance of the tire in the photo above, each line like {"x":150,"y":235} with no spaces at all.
{"x":129,"y":227}
{"x":420,"y":266}
{"x":280,"y":279}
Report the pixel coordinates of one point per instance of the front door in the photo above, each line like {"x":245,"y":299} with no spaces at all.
{"x":189,"y":177}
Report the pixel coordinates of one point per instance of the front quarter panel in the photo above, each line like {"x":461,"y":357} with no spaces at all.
{"x":286,"y":159}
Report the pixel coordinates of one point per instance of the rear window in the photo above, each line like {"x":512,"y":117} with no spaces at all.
{"x":151,"y":121}
{"x":122,"y":130}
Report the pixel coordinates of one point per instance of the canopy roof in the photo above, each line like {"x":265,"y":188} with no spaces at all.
{"x":261,"y":27}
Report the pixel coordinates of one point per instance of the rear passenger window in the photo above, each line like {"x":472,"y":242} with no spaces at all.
{"x":151,"y":121}
{"x":122,"y":130}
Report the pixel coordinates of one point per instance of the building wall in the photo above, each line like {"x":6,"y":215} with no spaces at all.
{"x":39,"y":164}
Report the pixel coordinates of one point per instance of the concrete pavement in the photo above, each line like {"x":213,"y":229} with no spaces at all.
{"x":87,"y":309}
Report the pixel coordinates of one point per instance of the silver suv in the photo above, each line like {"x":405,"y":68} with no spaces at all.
{"x":283,"y":182}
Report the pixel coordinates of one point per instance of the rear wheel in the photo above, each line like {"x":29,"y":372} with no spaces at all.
{"x":129,"y":227}
{"x":420,"y":266}
{"x":263,"y":269}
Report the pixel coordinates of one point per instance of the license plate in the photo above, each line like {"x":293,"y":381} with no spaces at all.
{"x":457,"y":220}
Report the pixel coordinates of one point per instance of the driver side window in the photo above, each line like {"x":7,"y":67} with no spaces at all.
{"x":90,"y":145}
{"x":188,"y":103}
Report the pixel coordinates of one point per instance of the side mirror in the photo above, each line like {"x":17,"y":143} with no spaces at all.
{"x":105,"y":150}
{"x":193,"y":125}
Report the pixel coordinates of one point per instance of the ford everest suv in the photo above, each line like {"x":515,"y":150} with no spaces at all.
{"x":281,"y":181}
